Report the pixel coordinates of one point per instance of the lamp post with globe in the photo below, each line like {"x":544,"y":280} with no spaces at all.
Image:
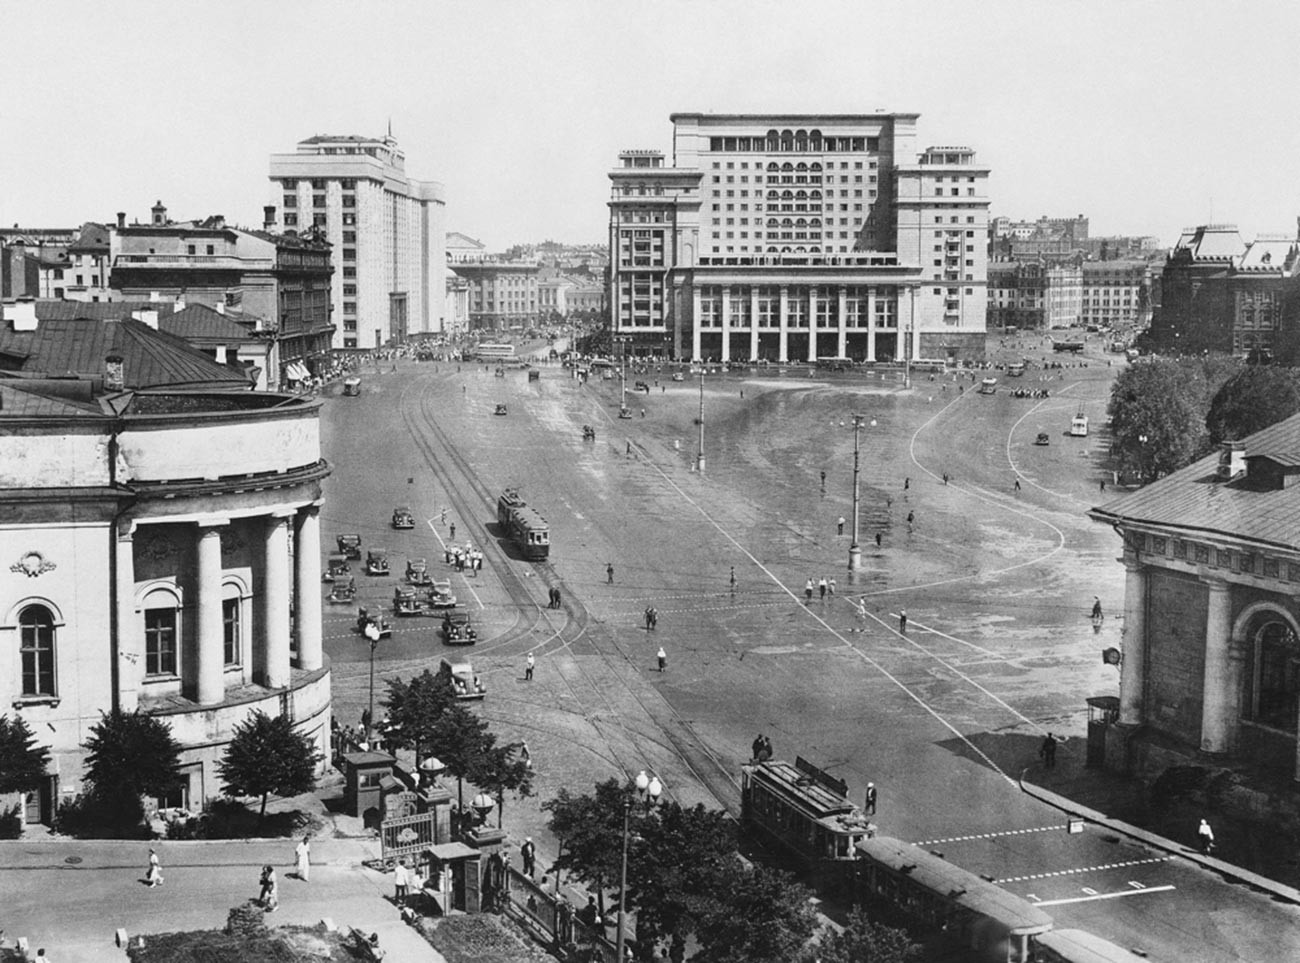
{"x":648,"y":790}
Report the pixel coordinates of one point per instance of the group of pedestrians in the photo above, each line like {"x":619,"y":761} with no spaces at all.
{"x":651,"y":618}
{"x":762,"y":748}
{"x":824,"y":587}
{"x":268,"y":893}
{"x":554,"y":595}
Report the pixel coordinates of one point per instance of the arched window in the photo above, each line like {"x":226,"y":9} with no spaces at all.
{"x":801,"y":141}
{"x":801,"y":166}
{"x":773,"y":196}
{"x":1276,"y":676}
{"x":232,"y":624}
{"x":773,"y":222}
{"x":801,"y":195}
{"x":787,"y":224}
{"x":787,"y":195}
{"x":787,"y":140}
{"x":773,"y":142}
{"x":787,"y":166}
{"x":800,"y":222}
{"x":815,"y":167}
{"x":36,"y":644}
{"x":161,"y":634}
{"x":815,"y":222}
{"x":815,"y":195}
{"x":773,"y":166}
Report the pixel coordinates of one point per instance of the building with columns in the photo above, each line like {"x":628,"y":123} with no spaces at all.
{"x":161,"y":538}
{"x":1211,"y":640}
{"x":797,"y":237}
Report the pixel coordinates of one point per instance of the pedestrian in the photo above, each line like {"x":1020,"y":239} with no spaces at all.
{"x":869,"y":803}
{"x":609,"y":573}
{"x":1096,"y":607}
{"x":861,"y":612}
{"x":629,"y":447}
{"x":733,"y":580}
{"x":877,"y":540}
{"x":1103,"y":484}
{"x":823,"y":479}
{"x":911,"y":517}
{"x":757,"y":748}
{"x":945,"y":478}
{"x":647,"y":619}
{"x":528,"y":668}
{"x":559,"y":601}
{"x":401,"y":882}
{"x":528,"y":852}
{"x":153,"y":876}
{"x":662,"y":656}
{"x":1206,"y":836}
{"x":839,"y":525}
{"x":808,"y":589}
{"x":642,"y":412}
{"x":830,"y":587}
{"x":303,"y":852}
{"x":821,"y":588}
{"x":767,"y":748}
{"x":654,"y":618}
{"x":1017,"y":488}
{"x":902,"y":621}
{"x":453,"y":531}
{"x":1048,"y":751}
{"x":444,"y":514}
{"x":907,"y":483}
{"x":525,"y":756}
{"x":270,"y":894}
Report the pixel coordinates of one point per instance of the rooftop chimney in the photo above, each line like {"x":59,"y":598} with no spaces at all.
{"x":1232,"y":461}
{"x":179,"y":304}
{"x":121,"y":219}
{"x":22,"y":313}
{"x":114,"y":375}
{"x":154,"y":296}
{"x":268,"y":217}
{"x":220,"y":306}
{"x":150,"y":317}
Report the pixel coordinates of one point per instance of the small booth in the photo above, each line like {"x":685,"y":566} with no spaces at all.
{"x":364,"y":774}
{"x":1103,"y":712}
{"x":451,"y":875}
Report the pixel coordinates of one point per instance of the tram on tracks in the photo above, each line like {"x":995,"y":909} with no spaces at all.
{"x":524,"y":525}
{"x":1077,"y":946}
{"x":807,"y":815}
{"x":972,"y":916}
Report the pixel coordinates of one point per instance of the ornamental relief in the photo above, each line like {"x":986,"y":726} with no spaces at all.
{"x":155,"y":547}
{"x":32,"y":564}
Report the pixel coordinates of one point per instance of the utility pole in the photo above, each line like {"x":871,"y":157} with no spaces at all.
{"x":699,"y":461}
{"x":855,"y":550}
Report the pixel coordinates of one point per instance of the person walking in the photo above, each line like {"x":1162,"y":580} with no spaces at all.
{"x":869,"y":802}
{"x":153,"y":876}
{"x":528,"y":668}
{"x":269,"y":894}
{"x":839,"y":525}
{"x":757,"y":748}
{"x":647,"y":619}
{"x":303,"y":853}
{"x":662,"y":656}
{"x":1048,"y":751}
{"x":528,"y":852}
{"x":1205,"y":836}
{"x":1096,"y":608}
{"x":830,"y":586}
{"x":823,"y":479}
{"x":902,"y":621}
{"x":733,"y":580}
{"x":821,"y":588}
{"x":452,"y":529}
{"x":401,"y":882}
{"x":861,"y":613}
{"x":808,"y":589}
{"x":654,"y":618}
{"x":907,"y":483}
{"x":609,"y":573}
{"x":877,"y":540}
{"x":1017,"y":484}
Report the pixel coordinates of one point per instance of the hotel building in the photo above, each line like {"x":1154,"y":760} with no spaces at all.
{"x":789,"y":238}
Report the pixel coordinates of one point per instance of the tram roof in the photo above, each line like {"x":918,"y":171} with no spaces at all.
{"x":1083,"y":947}
{"x":817,"y":798}
{"x":961,"y":886}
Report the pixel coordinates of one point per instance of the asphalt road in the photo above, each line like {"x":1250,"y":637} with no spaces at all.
{"x":997,"y":585}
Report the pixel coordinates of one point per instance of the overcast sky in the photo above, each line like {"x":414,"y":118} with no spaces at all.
{"x":1146,"y":116}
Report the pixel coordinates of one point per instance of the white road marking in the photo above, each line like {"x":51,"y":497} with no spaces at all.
{"x":1085,"y":869}
{"x":1089,"y":899}
{"x":1005,"y":832}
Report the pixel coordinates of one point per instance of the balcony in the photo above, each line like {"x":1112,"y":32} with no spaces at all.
{"x":214,"y":262}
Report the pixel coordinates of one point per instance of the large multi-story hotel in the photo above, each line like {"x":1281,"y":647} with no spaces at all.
{"x":387,"y":229}
{"x":797,"y":237}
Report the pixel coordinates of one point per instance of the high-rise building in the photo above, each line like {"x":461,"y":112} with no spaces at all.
{"x":787,"y":238}
{"x":388,"y":232}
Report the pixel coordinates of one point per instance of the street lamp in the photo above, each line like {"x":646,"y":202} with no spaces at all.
{"x":371,"y":632}
{"x":855,"y":551}
{"x":699,"y":461}
{"x":648,"y":789}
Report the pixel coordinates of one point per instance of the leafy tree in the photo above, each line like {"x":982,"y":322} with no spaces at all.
{"x":461,"y":740}
{"x":414,"y":707}
{"x":22,"y":762}
{"x":267,"y":756}
{"x":129,"y":755}
{"x":501,"y":769}
{"x":762,"y":916}
{"x":590,"y":831}
{"x":865,"y":941}
{"x":1254,"y":398}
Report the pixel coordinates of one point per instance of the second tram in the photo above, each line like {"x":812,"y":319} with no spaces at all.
{"x":524,"y":525}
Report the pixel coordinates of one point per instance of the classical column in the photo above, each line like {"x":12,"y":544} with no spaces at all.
{"x":753,"y":322}
{"x":274,"y":660}
{"x":306,"y":571}
{"x":912,"y":335}
{"x":211,"y":688}
{"x":128,"y":651}
{"x":842,"y":343}
{"x":696,"y":317}
{"x":1218,"y":698}
{"x":783,"y":346}
{"x":812,"y":324}
{"x":726,"y":324}
{"x":871,"y":323}
{"x":1132,"y":679}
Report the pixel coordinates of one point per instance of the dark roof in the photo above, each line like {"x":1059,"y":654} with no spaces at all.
{"x":341,"y":138}
{"x":151,"y":359}
{"x":198,"y":322}
{"x":93,"y":239}
{"x":1193,"y":500}
{"x":16,"y":399}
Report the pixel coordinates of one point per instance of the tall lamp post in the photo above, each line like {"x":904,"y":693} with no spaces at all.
{"x":648,"y":789}
{"x":699,"y":459}
{"x":855,"y":550}
{"x":371,"y":633}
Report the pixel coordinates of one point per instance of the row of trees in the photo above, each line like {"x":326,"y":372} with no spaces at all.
{"x":686,"y":880}
{"x":1166,"y":413}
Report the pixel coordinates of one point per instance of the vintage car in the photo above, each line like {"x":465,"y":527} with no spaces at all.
{"x":588,"y":433}
{"x":500,"y":372}
{"x":624,"y":411}
{"x":402,"y":517}
{"x":377,"y":561}
{"x":417,"y":571}
{"x":678,"y":376}
{"x":642,"y":386}
{"x":440,"y":596}
{"x":534,"y":376}
{"x":365,"y":619}
{"x":457,"y":628}
{"x":336,"y":567}
{"x":350,"y":545}
{"x":1042,"y":439}
{"x":352,"y":386}
{"x":501,"y":410}
{"x":343,"y":592}
{"x":407,"y":601}
{"x":464,"y":682}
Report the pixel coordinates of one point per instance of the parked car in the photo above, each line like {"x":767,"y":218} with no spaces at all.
{"x":440,"y":596}
{"x":1042,"y":439}
{"x":501,"y":410}
{"x":417,"y":571}
{"x":457,"y":629}
{"x":336,"y":568}
{"x":463,"y":680}
{"x":377,"y":561}
{"x":402,"y":517}
{"x":407,"y":601}
{"x":350,"y":545}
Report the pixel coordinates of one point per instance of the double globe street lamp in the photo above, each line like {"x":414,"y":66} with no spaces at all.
{"x":648,"y":790}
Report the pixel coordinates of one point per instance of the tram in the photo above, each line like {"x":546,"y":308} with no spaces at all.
{"x":1076,"y":946}
{"x":807,"y":815}
{"x":524,"y":525}
{"x":986,"y":921}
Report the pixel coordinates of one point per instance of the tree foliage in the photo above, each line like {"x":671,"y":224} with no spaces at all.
{"x":1252,"y":399}
{"x":762,"y":916}
{"x":414,"y":708}
{"x":865,"y":941}
{"x":501,"y":769}
{"x":129,"y":755}
{"x":265,"y":757}
{"x":22,"y":761}
{"x":590,"y":831}
{"x":460,"y":740}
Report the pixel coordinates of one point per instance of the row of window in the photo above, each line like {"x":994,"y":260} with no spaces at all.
{"x":788,"y":142}
{"x":318,"y":184}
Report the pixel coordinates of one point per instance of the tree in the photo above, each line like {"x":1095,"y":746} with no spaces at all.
{"x":414,"y":707}
{"x":762,"y":916}
{"x":129,"y":755}
{"x":267,"y":756}
{"x":22,"y":762}
{"x":1254,"y":398}
{"x":460,"y":739}
{"x":501,"y":769}
{"x":590,"y":831}
{"x":865,"y":941}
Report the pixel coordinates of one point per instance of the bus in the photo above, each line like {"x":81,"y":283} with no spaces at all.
{"x":523,"y":525}
{"x":492,"y":351}
{"x":989,"y":386}
{"x":1074,"y":347}
{"x":1079,"y":426}
{"x":1016,"y":369}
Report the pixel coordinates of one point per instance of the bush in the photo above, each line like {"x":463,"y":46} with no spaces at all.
{"x":83,"y":817}
{"x":226,"y":818}
{"x":1179,"y":783}
{"x":11,"y":823}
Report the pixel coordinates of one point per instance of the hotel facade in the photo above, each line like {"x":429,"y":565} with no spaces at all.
{"x":797,"y":237}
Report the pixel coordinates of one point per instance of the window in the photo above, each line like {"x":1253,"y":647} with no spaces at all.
{"x":36,"y":644}
{"x":291,"y":220}
{"x":211,"y":249}
{"x":231,"y":610}
{"x":348,"y":184}
{"x":290,"y":184}
{"x":189,"y":249}
{"x":290,"y":201}
{"x":349,"y":200}
{"x":318,"y":185}
{"x":349,"y":254}
{"x":160,"y":641}
{"x":348,"y":219}
{"x":1276,"y":676}
{"x":318,"y":200}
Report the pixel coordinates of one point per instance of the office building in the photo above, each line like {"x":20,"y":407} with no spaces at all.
{"x":1116,"y":294}
{"x":1035,"y":294}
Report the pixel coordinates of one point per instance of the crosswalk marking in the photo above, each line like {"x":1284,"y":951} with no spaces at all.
{"x":1084,"y":869}
{"x":1004,"y":832}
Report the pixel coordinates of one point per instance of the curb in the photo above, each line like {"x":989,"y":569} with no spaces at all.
{"x":1225,"y":869}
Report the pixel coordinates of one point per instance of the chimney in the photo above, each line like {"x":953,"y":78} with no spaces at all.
{"x":154,"y":296}
{"x":220,"y":306}
{"x":179,"y":304}
{"x":22,"y":313}
{"x":150,"y":317}
{"x":1232,"y":461}
{"x":121,"y":219}
{"x":268,"y":217}
{"x":114,"y":375}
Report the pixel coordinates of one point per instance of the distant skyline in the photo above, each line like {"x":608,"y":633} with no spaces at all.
{"x":1145,"y":117}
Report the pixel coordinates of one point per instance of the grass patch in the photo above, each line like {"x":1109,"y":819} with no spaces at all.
{"x":484,"y":938}
{"x":288,"y":944}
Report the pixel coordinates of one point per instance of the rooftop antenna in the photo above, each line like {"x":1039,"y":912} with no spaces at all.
{"x":390,"y":125}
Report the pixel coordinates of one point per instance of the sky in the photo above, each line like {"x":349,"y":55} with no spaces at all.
{"x":1144,"y":116}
